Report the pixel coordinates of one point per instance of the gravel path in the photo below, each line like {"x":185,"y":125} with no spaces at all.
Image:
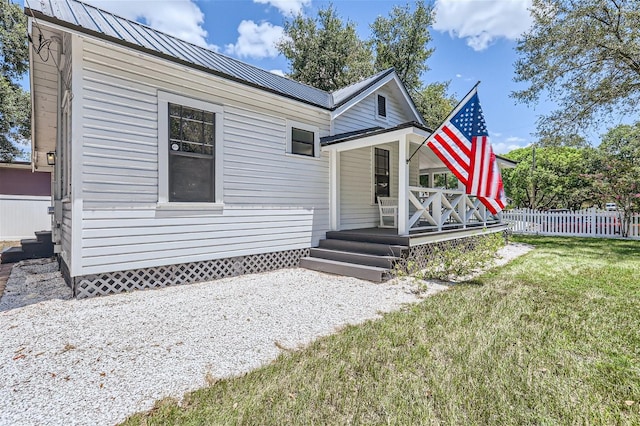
{"x":96,"y":361}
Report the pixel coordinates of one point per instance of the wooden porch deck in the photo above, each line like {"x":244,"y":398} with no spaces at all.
{"x":416,"y":237}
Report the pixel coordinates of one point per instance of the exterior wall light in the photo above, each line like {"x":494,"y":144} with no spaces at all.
{"x":51,"y":158}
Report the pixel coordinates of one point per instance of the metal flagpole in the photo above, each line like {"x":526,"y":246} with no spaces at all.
{"x":451,"y":114}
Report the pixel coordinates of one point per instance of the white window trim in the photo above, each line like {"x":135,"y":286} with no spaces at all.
{"x":375,"y":107}
{"x":164,"y":98}
{"x":309,"y":128}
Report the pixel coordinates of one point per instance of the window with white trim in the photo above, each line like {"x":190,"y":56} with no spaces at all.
{"x":190,"y":150}
{"x":303,"y":139}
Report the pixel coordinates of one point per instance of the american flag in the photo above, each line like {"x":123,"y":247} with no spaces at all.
{"x":462,"y":143}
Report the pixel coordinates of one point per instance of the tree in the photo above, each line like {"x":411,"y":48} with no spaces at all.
{"x":434,"y":103}
{"x":584,"y":55}
{"x":15,"y":107}
{"x":558,"y":179}
{"x":325,"y":52}
{"x":401,"y":41}
{"x":618,"y":170}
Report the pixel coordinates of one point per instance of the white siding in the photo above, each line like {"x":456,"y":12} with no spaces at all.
{"x":66,"y":239}
{"x":357,"y":208}
{"x":45,"y":100}
{"x":273,"y":201}
{"x":363,"y":114}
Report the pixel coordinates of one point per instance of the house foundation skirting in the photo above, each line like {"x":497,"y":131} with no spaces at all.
{"x":422,"y":254}
{"x":183,"y":273}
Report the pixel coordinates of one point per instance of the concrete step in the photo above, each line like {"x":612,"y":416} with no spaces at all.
{"x":362,"y":247}
{"x":12,"y":254}
{"x":352,"y":257}
{"x":364,"y":272}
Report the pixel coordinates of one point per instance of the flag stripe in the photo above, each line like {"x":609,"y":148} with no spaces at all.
{"x":458,"y":139}
{"x":455,"y":168}
{"x":462,"y":144}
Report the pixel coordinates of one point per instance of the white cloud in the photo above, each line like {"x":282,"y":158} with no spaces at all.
{"x":508,"y":144}
{"x":482,"y":22}
{"x":458,"y":75}
{"x":179,"y":18}
{"x":277,"y":72}
{"x":286,"y":7}
{"x":514,"y":139}
{"x":256,"y":41}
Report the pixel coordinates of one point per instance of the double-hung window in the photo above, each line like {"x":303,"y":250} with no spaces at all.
{"x":191,"y":154}
{"x":190,"y":139}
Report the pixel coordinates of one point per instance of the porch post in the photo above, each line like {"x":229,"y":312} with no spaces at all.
{"x":334,"y":190}
{"x":403,"y":186}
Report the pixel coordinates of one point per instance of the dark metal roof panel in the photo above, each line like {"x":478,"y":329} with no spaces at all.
{"x":84,"y":17}
{"x":345,"y":94}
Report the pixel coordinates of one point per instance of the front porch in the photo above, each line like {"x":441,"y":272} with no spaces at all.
{"x":381,"y":211}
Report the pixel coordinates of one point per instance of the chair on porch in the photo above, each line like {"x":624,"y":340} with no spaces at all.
{"x":388,"y":207}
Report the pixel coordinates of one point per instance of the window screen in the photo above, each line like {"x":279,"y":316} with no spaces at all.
{"x":191,"y":154}
{"x":381,"y":169}
{"x":382,"y":106}
{"x":302,"y":142}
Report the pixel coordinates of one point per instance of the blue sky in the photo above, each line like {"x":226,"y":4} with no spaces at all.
{"x":474,"y":40}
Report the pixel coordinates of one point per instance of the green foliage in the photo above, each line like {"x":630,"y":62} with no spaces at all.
{"x":15,"y":107}
{"x":558,"y":180}
{"x":401,"y":41}
{"x":583,"y":54}
{"x":324,"y":52}
{"x":434,"y":103}
{"x":617,"y":170}
{"x":450,"y":261}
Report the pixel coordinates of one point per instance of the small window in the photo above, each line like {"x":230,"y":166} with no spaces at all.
{"x":302,"y":142}
{"x":381,"y":173}
{"x":191,"y":154}
{"x":382,"y":106}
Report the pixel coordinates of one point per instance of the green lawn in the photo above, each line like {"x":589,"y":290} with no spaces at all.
{"x":551,"y":338}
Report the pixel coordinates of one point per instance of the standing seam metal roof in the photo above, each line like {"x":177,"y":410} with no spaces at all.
{"x":92,"y":20}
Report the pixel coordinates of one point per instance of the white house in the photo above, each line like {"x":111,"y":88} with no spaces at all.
{"x":177,"y":164}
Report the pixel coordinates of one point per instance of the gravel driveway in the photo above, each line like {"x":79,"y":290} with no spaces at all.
{"x":96,"y":361}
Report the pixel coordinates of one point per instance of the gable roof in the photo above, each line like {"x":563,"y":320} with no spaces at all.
{"x":88,"y":19}
{"x":344,"y":95}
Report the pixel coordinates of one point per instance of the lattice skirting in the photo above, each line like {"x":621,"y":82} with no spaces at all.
{"x":423,"y":254}
{"x":183,"y":273}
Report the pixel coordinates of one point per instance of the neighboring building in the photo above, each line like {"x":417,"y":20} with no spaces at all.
{"x":24,"y":199}
{"x":178,"y":164}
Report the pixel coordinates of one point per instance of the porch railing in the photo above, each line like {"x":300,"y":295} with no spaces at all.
{"x":438,"y":209}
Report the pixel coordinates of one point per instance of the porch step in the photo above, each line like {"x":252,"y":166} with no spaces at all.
{"x":12,"y":255}
{"x":362,"y":247}
{"x":364,"y":272}
{"x":38,"y":248}
{"x":352,"y":257}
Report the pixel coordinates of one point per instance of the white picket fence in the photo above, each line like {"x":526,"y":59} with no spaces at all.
{"x":580,"y":223}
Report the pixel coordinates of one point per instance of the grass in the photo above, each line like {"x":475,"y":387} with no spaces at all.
{"x":552,"y":338}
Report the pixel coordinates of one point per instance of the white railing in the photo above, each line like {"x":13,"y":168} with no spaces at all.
{"x":438,"y":209}
{"x":580,"y":223}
